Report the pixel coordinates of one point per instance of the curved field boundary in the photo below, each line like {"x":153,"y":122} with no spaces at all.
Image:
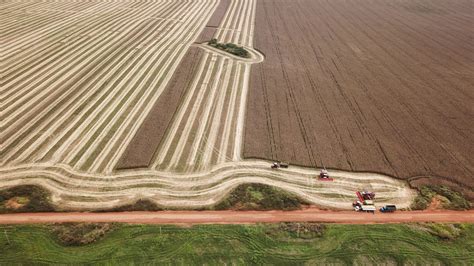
{"x":255,"y":56}
{"x":78,"y":190}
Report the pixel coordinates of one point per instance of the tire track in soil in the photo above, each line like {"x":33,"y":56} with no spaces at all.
{"x":387,"y":118}
{"x":414,"y":114}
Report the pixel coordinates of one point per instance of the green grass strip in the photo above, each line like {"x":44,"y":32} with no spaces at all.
{"x":273,"y":244}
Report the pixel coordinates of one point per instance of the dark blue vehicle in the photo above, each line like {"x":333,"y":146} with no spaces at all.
{"x":388,"y":208}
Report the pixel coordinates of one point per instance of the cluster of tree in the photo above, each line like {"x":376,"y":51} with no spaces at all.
{"x":451,"y":200}
{"x":77,"y":234}
{"x":230,"y":48}
{"x":31,"y":199}
{"x":260,"y":197}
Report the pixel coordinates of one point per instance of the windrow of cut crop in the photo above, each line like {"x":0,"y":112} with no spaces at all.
{"x":191,"y":142}
{"x":140,"y":151}
{"x":88,"y":101}
{"x":71,"y":189}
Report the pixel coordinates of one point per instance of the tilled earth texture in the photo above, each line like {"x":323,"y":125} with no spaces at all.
{"x":375,"y":85}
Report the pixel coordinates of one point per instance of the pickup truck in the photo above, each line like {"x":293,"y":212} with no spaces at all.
{"x":388,"y":208}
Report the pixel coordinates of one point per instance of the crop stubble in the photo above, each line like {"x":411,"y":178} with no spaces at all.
{"x":85,"y":75}
{"x":381,"y":86}
{"x":139,"y":152}
{"x":204,"y":127}
{"x":211,"y":26}
{"x":213,"y":124}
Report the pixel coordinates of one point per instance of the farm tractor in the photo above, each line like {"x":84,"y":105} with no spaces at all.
{"x":364,"y":202}
{"x":277,"y":165}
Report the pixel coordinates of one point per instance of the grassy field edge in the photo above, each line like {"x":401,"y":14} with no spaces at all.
{"x":295,"y":243}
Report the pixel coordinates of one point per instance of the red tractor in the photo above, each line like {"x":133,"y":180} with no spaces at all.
{"x":365,"y":195}
{"x":324,"y":175}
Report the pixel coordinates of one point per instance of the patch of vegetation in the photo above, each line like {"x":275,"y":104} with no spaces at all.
{"x":259,"y":197}
{"x":140,"y":205}
{"x":230,"y":48}
{"x":22,"y":200}
{"x":25,"y":199}
{"x":244,"y":197}
{"x":240,"y":244}
{"x":306,"y":230}
{"x":445,"y":231}
{"x":77,"y":234}
{"x":450,"y":199}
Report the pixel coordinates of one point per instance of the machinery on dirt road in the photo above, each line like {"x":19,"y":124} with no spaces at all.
{"x":359,"y":207}
{"x":388,"y":208}
{"x":277,"y":165}
{"x":365,"y":201}
{"x":324,"y":175}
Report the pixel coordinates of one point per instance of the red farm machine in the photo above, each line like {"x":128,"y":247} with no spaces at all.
{"x":364,"y":202}
{"x":324,"y":175}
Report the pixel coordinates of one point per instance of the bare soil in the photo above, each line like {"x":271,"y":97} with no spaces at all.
{"x":206,"y":34}
{"x":16,"y":203}
{"x":435,"y":204}
{"x":218,"y":14}
{"x":211,"y":27}
{"x":380,"y":86}
{"x":241,"y":217}
{"x":141,"y":149}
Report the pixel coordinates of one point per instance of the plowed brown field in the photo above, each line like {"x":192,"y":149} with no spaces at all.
{"x":211,"y":27}
{"x":144,"y":144}
{"x":373,"y":85}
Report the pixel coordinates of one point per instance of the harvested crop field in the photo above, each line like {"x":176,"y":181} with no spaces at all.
{"x":141,"y":149}
{"x":373,"y":85}
{"x":214,"y":21}
{"x":110,"y":103}
{"x":80,"y":76}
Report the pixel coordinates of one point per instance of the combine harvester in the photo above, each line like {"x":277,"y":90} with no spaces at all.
{"x":365,"y":202}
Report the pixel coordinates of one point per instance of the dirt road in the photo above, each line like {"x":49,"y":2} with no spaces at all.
{"x":242,"y":217}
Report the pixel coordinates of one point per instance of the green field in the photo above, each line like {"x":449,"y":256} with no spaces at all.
{"x":244,"y":244}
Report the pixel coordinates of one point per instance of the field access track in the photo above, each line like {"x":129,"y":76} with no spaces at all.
{"x":242,"y":217}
